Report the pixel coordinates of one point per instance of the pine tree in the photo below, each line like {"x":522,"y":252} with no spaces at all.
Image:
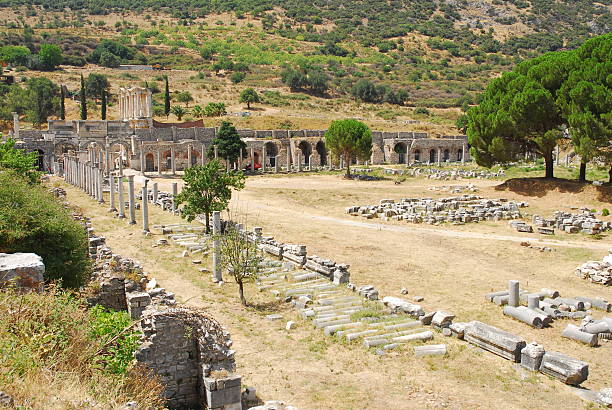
{"x":83,"y":97}
{"x":167,"y":98}
{"x":62,"y":103}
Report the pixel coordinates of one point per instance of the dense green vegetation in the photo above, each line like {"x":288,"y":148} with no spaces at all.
{"x":32,"y":220}
{"x":527,"y":109}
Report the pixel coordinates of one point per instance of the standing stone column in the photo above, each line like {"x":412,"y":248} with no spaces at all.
{"x":513,"y":288}
{"x":142,"y":159}
{"x":111,"y":183}
{"x":263,"y":159}
{"x":439,"y":156}
{"x":252,"y":159}
{"x":463,"y":154}
{"x":188,"y":156}
{"x":121,"y":197}
{"x":172,"y":160}
{"x":240,"y":159}
{"x":100,"y":185}
{"x":217,"y":274}
{"x":159,"y":164}
{"x":288,"y":160}
{"x":276,"y":164}
{"x":15,"y":126}
{"x":132,"y":199}
{"x":310,"y":162}
{"x":120,"y":165}
{"x":216,"y":149}
{"x":145,"y":209}
{"x":174,"y":194}
{"x":155,"y":193}
{"x":107,"y":161}
{"x":299,"y":161}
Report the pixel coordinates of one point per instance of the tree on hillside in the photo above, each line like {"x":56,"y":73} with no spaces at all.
{"x":240,"y":257}
{"x":197,"y":111}
{"x":50,"y":56}
{"x":294,"y":79}
{"x":585,"y":100}
{"x":207,"y":188}
{"x":103,"y":109}
{"x":83,"y":98}
{"x":184,"y":97}
{"x":178,"y":111}
{"x":20,"y":161}
{"x":43,"y":100}
{"x":62,"y":103}
{"x":349,"y":138}
{"x":166,"y":97}
{"x":228,"y":143}
{"x":518,"y":113}
{"x":96,"y":85}
{"x":249,"y":96}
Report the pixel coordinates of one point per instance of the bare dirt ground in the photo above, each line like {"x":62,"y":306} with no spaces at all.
{"x":451,"y":267}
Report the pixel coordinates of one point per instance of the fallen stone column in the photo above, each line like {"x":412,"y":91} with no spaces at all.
{"x":567,"y":369}
{"x":525,"y":315}
{"x":570,"y":302}
{"x":600,"y":304}
{"x":573,"y":332}
{"x":430,"y":350}
{"x":495,"y":340}
{"x":423,"y":336}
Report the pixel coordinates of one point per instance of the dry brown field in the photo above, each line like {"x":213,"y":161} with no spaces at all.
{"x":451,"y":267}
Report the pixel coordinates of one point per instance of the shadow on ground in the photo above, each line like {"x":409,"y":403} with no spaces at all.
{"x":539,"y":187}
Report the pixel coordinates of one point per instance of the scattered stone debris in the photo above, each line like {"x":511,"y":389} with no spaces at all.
{"x":445,"y":174}
{"x":273,"y":405}
{"x":458,"y":210}
{"x":538,"y":248}
{"x":455,"y":189}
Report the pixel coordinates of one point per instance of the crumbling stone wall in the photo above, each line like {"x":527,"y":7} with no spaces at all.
{"x":184,"y":346}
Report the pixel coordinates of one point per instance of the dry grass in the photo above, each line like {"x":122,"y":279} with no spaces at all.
{"x":451,"y":271}
{"x":48,"y":356}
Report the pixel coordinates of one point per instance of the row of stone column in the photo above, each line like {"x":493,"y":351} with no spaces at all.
{"x":158,"y":158}
{"x":103,"y":159}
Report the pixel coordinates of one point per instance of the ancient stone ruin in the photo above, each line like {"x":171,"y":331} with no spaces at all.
{"x":24,"y":271}
{"x":597,"y":271}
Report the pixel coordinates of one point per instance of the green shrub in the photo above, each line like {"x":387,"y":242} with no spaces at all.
{"x":31,"y":220}
{"x":605,"y":212}
{"x":108,"y":325}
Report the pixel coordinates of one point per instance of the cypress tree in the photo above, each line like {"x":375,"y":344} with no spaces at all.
{"x":167,"y":98}
{"x":83,"y":97}
{"x":103,"y":104}
{"x":62,"y":103}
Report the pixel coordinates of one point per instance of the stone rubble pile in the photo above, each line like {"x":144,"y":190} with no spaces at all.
{"x":584,"y":222}
{"x":597,"y":271}
{"x":456,"y":210}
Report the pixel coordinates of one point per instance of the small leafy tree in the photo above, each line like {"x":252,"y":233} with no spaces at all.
{"x":43,"y":100}
{"x":50,"y":56}
{"x":184,"y":97}
{"x":213,"y":109}
{"x":208,"y":188}
{"x":349,"y":138}
{"x":103,"y":110}
{"x":249,"y":96}
{"x":228,"y":143}
{"x":96,"y":84}
{"x":240,"y":257}
{"x":178,"y":111}
{"x":197,"y":111}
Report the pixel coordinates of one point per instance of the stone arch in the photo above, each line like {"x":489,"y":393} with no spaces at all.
{"x":400,"y":148}
{"x":64,"y":148}
{"x":432,"y":156}
{"x":271,"y":151}
{"x":322,"y":151}
{"x":417,"y":154}
{"x":305,"y":150}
